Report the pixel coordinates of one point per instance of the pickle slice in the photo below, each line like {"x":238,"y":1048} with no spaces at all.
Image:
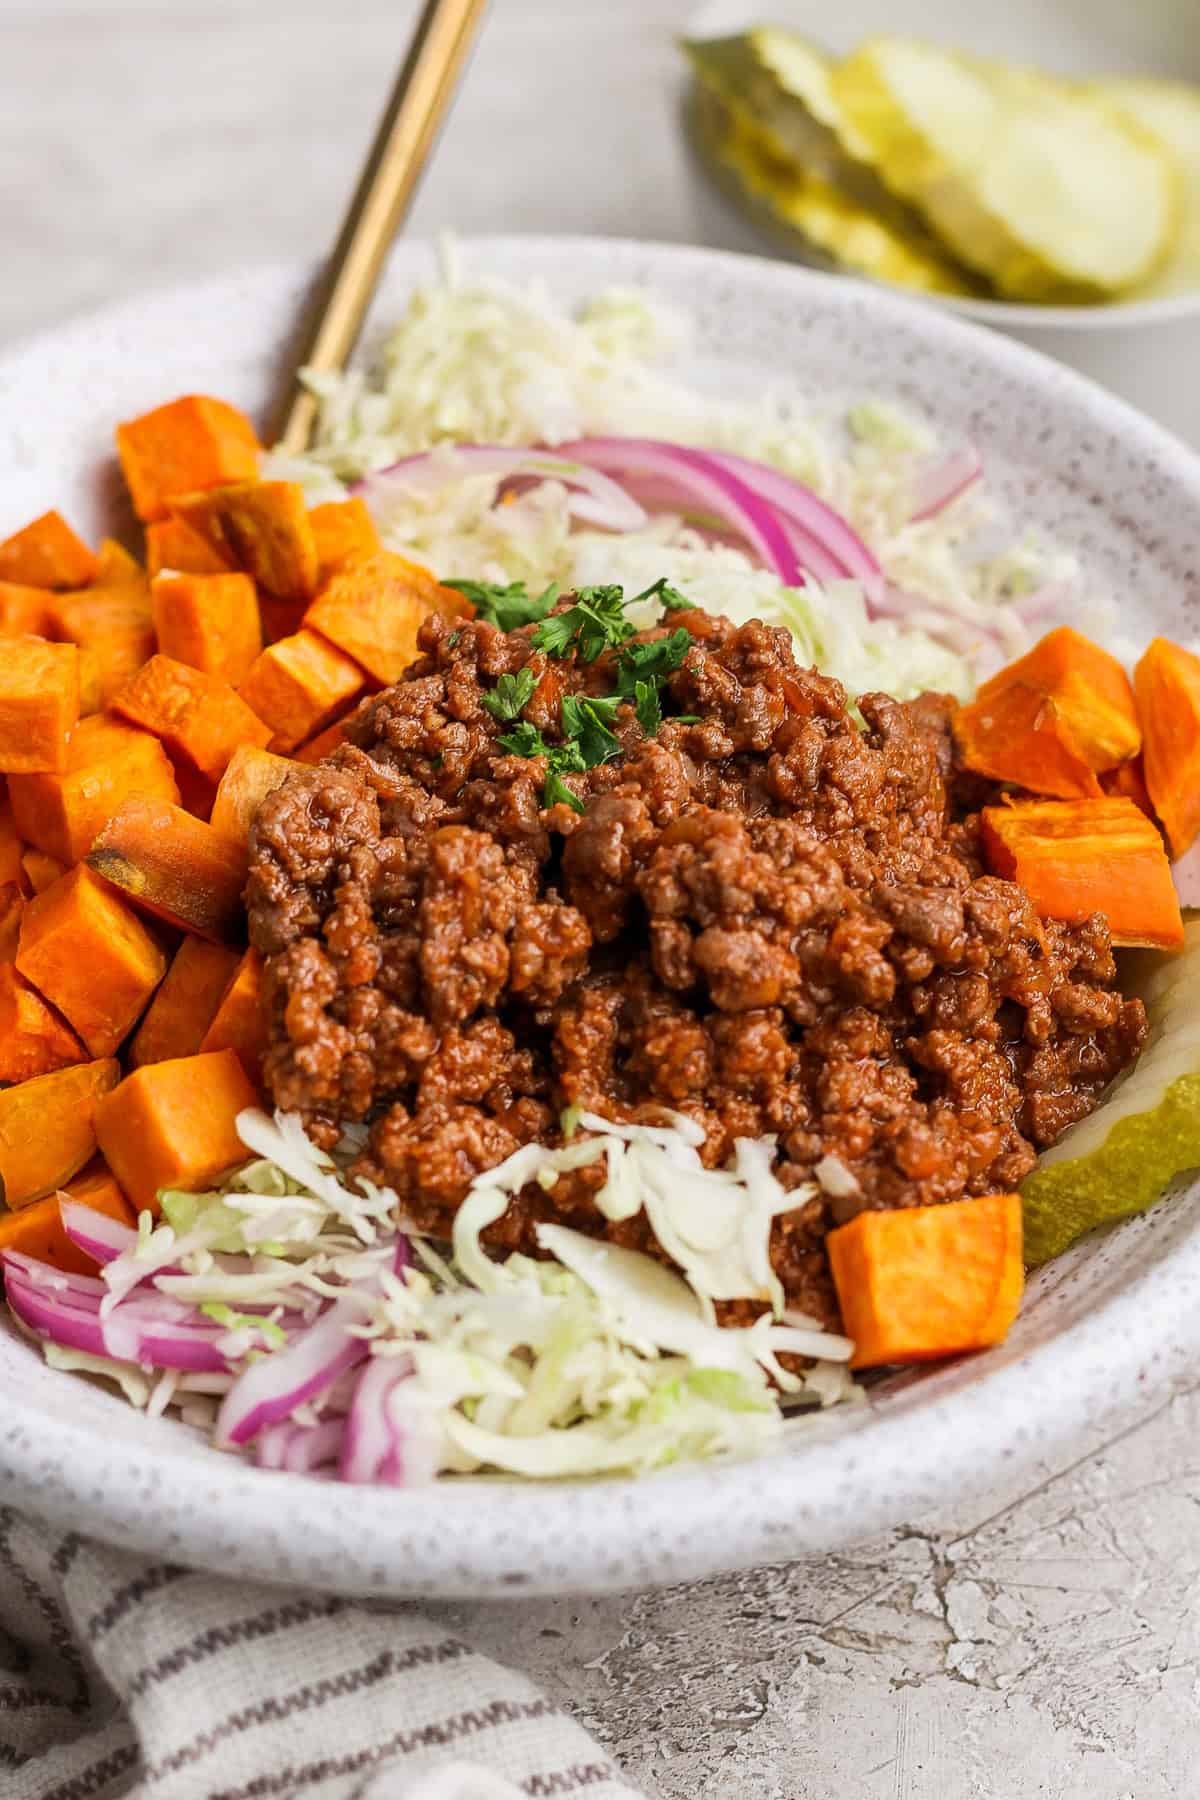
{"x":1171,"y":110}
{"x":1047,"y":189}
{"x":1119,"y":1160}
{"x":784,"y":167}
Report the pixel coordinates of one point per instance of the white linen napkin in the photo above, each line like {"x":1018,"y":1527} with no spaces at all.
{"x":126,"y":1677}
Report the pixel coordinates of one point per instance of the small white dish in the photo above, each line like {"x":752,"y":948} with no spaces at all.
{"x":1107,"y":1328}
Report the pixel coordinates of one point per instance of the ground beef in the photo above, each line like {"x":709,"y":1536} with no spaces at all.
{"x":770,"y":919}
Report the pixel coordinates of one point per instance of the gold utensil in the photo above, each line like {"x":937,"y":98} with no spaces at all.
{"x":397,"y":158}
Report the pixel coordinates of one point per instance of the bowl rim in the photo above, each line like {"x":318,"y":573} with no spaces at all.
{"x":1127,"y":1349}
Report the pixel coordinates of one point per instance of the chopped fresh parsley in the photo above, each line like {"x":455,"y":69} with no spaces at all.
{"x":669,"y":597}
{"x":647,"y":706}
{"x":653,"y":661}
{"x":587,"y":722}
{"x":556,"y":793}
{"x":595,"y":623}
{"x":525,"y":740}
{"x":507,"y":607}
{"x":511,"y":695}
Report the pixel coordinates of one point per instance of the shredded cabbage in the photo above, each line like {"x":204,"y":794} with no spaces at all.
{"x":486,"y":362}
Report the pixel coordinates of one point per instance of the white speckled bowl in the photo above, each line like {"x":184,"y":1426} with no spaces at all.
{"x":1109,"y":1327}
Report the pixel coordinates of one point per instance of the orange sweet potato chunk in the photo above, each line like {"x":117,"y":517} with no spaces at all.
{"x":170,"y":544}
{"x":110,"y":620}
{"x":48,"y":1128}
{"x":37,"y":1230}
{"x":39,"y":704}
{"x":172,"y":866}
{"x":24,"y":611}
{"x":34,"y":1040}
{"x":316,"y":749}
{"x":184,"y":1006}
{"x":196,"y":716}
{"x":210,"y":622}
{"x":1076,"y":858}
{"x":91,"y":957}
{"x":252,"y":774}
{"x":262,"y":527}
{"x":928,"y":1281}
{"x":108,"y":762}
{"x":1167,"y":680}
{"x":40,"y":870}
{"x":12,"y":911}
{"x":190,"y":443}
{"x":11,"y":847}
{"x":47,"y":554}
{"x":342,"y":529}
{"x":298,"y":685}
{"x":174,"y":1124}
{"x":240,"y":1021}
{"x":373,"y":608}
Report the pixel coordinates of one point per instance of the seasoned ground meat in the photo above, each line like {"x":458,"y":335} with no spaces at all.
{"x":768,"y":918}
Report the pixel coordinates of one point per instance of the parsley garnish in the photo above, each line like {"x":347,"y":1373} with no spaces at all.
{"x":647,"y":706}
{"x":511,"y":695}
{"x":669,"y":597}
{"x":653,"y":661}
{"x":526,"y":740}
{"x":556,"y":792}
{"x":587,"y":721}
{"x":594,"y":623}
{"x":507,"y":607}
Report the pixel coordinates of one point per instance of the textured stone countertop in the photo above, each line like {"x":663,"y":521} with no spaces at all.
{"x":1037,"y":1645}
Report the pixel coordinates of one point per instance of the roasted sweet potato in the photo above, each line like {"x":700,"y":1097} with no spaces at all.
{"x":1076,"y":858}
{"x":373,"y":608}
{"x":91,"y":957}
{"x":316,"y":749}
{"x":11,"y":847}
{"x":174,"y":1124}
{"x":1167,"y":680}
{"x":40,"y":870}
{"x":262,"y":527}
{"x":47,"y":554}
{"x":210,"y":622}
{"x":12,"y":911}
{"x":240,"y":1021}
{"x":107,"y":762}
{"x":37,"y":1230}
{"x":172,"y":866}
{"x":251,"y":776}
{"x":280,"y":618}
{"x":34,"y":1040}
{"x":24,"y":611}
{"x":172,"y":544}
{"x":186,"y":1003}
{"x":111,"y":620}
{"x":928,"y":1281}
{"x":342,"y":529}
{"x":1129,"y":782}
{"x":298,"y":685}
{"x":47,"y":1128}
{"x":188,"y":444}
{"x":39,"y":704}
{"x":197,"y":717}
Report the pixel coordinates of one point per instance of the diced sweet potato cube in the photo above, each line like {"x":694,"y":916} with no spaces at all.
{"x":251,"y":776}
{"x":298,"y":685}
{"x":37,"y":1230}
{"x":174,"y":1124}
{"x":47,"y":554}
{"x":316,"y":749}
{"x":1076,"y":858}
{"x":40,"y":870}
{"x":11,"y":847}
{"x":33,"y":1038}
{"x":195,"y":715}
{"x":24,"y":611}
{"x":1129,"y":781}
{"x":91,"y":957}
{"x":240,"y":1021}
{"x":262,"y":527}
{"x":111,"y":620}
{"x":928,"y":1281}
{"x":191,"y":443}
{"x":374,"y":607}
{"x":48,"y":1130}
{"x":172,"y":544}
{"x":1168,"y":695}
{"x":12,"y":911}
{"x":39,"y":703}
{"x":91,"y":681}
{"x":342,"y":529}
{"x":209,"y":622}
{"x":172,"y":866}
{"x":108,"y":762}
{"x":186,"y":1003}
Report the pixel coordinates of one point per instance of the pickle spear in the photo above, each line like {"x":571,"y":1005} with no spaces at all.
{"x":1119,"y":1160}
{"x":1046,"y":188}
{"x":777,"y":153}
{"x":1171,"y":110}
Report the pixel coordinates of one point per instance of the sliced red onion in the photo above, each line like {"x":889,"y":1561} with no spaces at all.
{"x":161,"y":1345}
{"x":704,"y":482}
{"x":300,"y":1448}
{"x":98,"y":1236}
{"x":373,"y":1446}
{"x":271,"y":1389}
{"x":942,"y":482}
{"x":828,"y":547}
{"x":593,"y":497}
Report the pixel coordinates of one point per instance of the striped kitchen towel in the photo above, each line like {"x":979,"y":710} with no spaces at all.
{"x":124,"y":1677}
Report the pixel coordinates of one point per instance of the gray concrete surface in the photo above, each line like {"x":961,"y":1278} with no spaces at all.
{"x":1043,"y":1644}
